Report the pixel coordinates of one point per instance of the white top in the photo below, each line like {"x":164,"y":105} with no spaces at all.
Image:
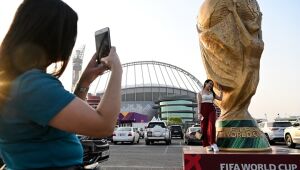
{"x":207,"y":98}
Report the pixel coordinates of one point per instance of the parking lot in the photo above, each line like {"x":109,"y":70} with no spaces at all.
{"x":156,"y":156}
{"x":141,"y":156}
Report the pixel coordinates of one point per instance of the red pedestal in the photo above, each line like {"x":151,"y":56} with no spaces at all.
{"x":197,"y":158}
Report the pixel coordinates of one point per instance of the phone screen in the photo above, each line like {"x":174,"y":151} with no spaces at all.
{"x":103,"y":45}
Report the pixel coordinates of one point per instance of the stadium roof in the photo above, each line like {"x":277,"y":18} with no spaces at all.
{"x":151,"y":74}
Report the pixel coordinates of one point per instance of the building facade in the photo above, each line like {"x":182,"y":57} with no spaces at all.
{"x":177,"y":106}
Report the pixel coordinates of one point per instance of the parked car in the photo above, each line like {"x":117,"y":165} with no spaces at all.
{"x":157,"y":131}
{"x":141,"y":132}
{"x":110,"y":138}
{"x":292,"y":135}
{"x":95,"y":150}
{"x":176,"y":131}
{"x":274,"y":131}
{"x":2,"y":166}
{"x":126,"y":134}
{"x":196,"y":125}
{"x":193,"y":135}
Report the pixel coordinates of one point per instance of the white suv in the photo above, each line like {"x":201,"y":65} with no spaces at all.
{"x":292,"y":135}
{"x":274,"y":131}
{"x":157,"y":131}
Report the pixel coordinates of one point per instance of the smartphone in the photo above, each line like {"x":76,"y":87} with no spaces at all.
{"x":103,"y":45}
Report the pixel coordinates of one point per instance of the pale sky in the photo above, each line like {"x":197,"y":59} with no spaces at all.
{"x":164,"y":30}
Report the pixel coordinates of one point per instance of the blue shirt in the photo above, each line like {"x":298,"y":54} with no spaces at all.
{"x":26,"y":140}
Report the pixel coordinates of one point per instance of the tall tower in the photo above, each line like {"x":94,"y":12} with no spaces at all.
{"x":77,"y":65}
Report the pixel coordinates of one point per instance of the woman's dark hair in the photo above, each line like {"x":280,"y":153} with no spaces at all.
{"x":212,"y":90}
{"x":43,"y":32}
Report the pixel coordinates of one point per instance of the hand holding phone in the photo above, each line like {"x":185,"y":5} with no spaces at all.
{"x":103,"y":44}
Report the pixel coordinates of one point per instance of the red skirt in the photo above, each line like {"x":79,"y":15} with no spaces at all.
{"x":208,"y":126}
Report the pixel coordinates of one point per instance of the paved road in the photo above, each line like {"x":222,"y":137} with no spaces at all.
{"x":141,"y":156}
{"x":152,"y":157}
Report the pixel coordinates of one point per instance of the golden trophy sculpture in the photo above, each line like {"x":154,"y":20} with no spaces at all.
{"x":231,"y":45}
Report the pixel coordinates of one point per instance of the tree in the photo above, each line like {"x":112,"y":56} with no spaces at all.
{"x":174,"y":121}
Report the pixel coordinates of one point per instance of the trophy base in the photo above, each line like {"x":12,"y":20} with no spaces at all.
{"x":198,"y":158}
{"x":241,"y":135}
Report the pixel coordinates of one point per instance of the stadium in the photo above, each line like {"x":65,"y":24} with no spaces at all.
{"x":152,"y":87}
{"x":149,"y":88}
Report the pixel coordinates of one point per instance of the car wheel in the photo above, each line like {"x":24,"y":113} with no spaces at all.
{"x":289,"y":141}
{"x":115,"y":143}
{"x":167,"y":142}
{"x":268,"y":138}
{"x":147,"y":142}
{"x":187,"y":142}
{"x":132,"y":142}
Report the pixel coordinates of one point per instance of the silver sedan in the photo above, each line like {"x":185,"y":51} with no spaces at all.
{"x":126,"y":134}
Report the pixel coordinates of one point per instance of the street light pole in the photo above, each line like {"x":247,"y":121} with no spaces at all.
{"x":167,"y":116}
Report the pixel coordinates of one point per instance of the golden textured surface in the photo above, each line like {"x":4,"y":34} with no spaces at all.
{"x":231,"y":46}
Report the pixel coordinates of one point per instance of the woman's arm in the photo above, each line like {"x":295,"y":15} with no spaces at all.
{"x":78,"y":117}
{"x":219,"y":97}
{"x":91,"y":72}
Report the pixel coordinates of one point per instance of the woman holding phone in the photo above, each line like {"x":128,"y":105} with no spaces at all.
{"x":38,"y":117}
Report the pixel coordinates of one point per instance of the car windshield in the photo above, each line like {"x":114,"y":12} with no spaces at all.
{"x":279,"y":124}
{"x":124,"y":129}
{"x":161,"y":124}
{"x":194,"y":129}
{"x":175,"y":127}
